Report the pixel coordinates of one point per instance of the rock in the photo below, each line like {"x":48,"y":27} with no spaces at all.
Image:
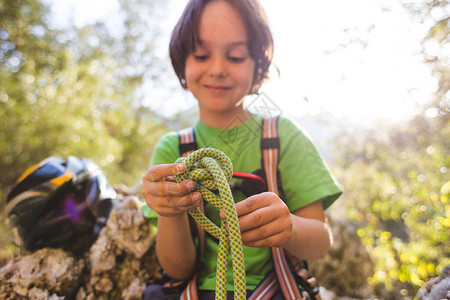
{"x":125,"y":230}
{"x":134,"y":290}
{"x":101,"y":255}
{"x":41,"y":274}
{"x":117,"y":265}
{"x":122,"y":259}
{"x":437,"y":287}
{"x":347,"y":265}
{"x":38,"y":294}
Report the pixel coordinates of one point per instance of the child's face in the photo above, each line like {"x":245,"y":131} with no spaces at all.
{"x":220,"y":71}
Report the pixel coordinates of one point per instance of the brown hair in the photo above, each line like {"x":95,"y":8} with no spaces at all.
{"x":260,"y":42}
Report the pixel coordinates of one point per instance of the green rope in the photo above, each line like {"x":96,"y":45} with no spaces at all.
{"x":202,"y":166}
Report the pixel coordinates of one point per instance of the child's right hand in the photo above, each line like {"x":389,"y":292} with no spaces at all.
{"x":164,"y":195}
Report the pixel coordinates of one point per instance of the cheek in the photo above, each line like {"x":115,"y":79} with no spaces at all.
{"x":188,"y":76}
{"x":245,"y":76}
{"x":190,"y":71}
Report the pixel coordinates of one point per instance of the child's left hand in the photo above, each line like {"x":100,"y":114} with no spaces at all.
{"x":264,"y":220}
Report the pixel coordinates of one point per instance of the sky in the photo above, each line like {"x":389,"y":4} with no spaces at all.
{"x":354,"y":59}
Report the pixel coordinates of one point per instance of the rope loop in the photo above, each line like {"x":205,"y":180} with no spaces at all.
{"x":196,"y":165}
{"x":211,"y":169}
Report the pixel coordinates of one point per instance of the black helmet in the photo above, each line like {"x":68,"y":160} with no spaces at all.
{"x":58,"y":203}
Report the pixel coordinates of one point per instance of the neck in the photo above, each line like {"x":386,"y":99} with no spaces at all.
{"x":225,"y":120}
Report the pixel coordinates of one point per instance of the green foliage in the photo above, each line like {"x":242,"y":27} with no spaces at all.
{"x":397,"y":179}
{"x":23,"y":56}
{"x":75,"y":92}
{"x":397,"y":187}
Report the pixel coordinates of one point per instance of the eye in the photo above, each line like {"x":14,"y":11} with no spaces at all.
{"x":201,"y":57}
{"x":236,"y":59}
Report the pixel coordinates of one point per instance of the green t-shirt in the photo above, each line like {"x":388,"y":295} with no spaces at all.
{"x":304,"y":177}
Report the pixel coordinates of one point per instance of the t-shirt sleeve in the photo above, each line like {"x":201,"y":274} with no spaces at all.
{"x":166,"y":150}
{"x":304,"y":175}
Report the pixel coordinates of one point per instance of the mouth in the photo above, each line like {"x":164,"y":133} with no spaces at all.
{"x":216,"y":89}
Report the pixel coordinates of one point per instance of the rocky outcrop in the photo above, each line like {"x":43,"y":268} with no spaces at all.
{"x":117,"y":266}
{"x":44,"y":274}
{"x":120,"y":261}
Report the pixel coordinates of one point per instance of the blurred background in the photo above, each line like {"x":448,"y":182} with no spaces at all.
{"x":367,"y":79}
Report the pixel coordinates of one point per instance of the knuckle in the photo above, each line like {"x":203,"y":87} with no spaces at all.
{"x":149,"y":175}
{"x":277,"y":241}
{"x":250,"y":204}
{"x":287,"y":222}
{"x":162,"y":188}
{"x":271,"y":195}
{"x":192,"y":197}
{"x":184,"y":201}
{"x":261,"y":232}
{"x":178,"y":188}
{"x":195,"y":198}
{"x":266,"y":243}
{"x":257,"y":219}
{"x":176,"y":201}
{"x":284,"y":213}
{"x":186,"y":186}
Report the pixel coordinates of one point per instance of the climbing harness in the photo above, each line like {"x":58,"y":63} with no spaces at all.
{"x":211,"y":169}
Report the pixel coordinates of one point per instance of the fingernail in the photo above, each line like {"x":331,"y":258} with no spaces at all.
{"x":178,"y":169}
{"x":196,"y":198}
{"x":191,"y":185}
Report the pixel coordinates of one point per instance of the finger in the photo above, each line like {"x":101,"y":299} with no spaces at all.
{"x":167,"y":188}
{"x":261,"y":232}
{"x":173,"y":211}
{"x":257,"y":218}
{"x":168,"y":206}
{"x":252,"y":203}
{"x":186,"y":201}
{"x":275,"y":240}
{"x":170,"y":178}
{"x":156,"y":173}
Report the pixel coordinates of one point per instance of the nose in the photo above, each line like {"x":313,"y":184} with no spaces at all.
{"x":218,"y":67}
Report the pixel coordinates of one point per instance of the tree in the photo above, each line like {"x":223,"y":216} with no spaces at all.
{"x":398,"y":188}
{"x":28,"y":51}
{"x":397,"y":180}
{"x":435,"y":45}
{"x":76,"y":92}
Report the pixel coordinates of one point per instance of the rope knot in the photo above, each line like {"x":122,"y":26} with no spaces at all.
{"x":211,"y":169}
{"x":197,"y":167}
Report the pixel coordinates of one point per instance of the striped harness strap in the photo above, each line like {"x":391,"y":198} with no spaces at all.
{"x":270,"y":144}
{"x":187,"y":143}
{"x":282,"y":276}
